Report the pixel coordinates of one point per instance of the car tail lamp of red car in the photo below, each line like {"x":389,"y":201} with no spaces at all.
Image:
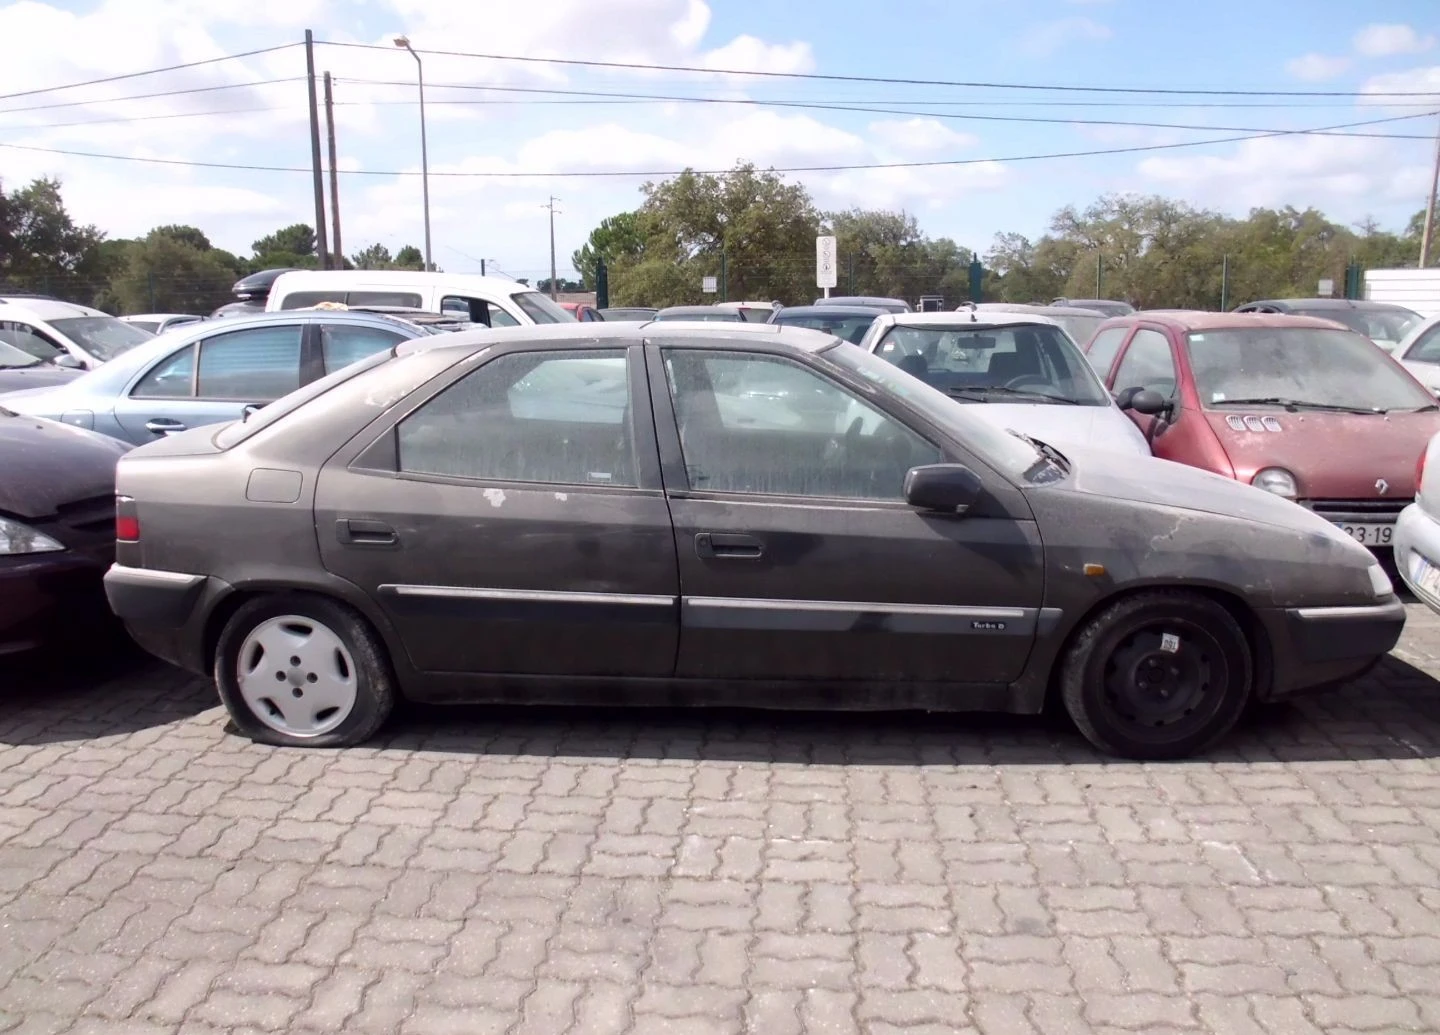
{"x":1420,"y":470}
{"x":127,"y":522}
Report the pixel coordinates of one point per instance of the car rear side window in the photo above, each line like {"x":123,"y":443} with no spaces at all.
{"x":1148,"y":363}
{"x":256,"y":365}
{"x":399,"y":299}
{"x":171,"y":378}
{"x":559,"y":418}
{"x":1105,"y":348}
{"x":343,"y":344}
{"x":769,"y":426}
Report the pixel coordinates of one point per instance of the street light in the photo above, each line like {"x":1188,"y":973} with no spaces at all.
{"x":403,"y":42}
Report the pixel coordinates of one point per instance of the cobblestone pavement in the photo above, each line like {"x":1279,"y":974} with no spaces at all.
{"x":694,"y":873}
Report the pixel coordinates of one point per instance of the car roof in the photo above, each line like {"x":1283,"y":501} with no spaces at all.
{"x":161,"y":316}
{"x":696,"y":309}
{"x":1200,"y":320}
{"x":828,"y":310}
{"x":360,"y":279}
{"x":860,"y":300}
{"x":45,"y":308}
{"x":966,"y":318}
{"x":1327,"y":303}
{"x":1066,"y":311}
{"x":605,"y":336}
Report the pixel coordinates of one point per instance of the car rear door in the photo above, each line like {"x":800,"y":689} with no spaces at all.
{"x":800,"y":560}
{"x":212,"y":380}
{"x":512,"y":521}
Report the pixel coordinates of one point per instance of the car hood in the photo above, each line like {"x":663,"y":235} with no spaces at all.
{"x":1164,"y":483}
{"x":15,"y":379}
{"x":48,"y":465}
{"x":1088,"y":427}
{"x":1331,"y":455}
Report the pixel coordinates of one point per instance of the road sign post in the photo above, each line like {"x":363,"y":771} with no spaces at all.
{"x":825,"y":268}
{"x":709,"y":285}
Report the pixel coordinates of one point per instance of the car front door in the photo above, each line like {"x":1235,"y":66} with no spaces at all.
{"x":1149,"y":362}
{"x":513,"y":522}
{"x":213,"y":380}
{"x":800,"y":560}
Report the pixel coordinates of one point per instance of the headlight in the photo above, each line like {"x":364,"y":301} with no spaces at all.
{"x":1380,"y":582}
{"x":16,"y":538}
{"x":1277,"y":480}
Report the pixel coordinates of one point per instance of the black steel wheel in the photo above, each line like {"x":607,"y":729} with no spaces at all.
{"x":1158,"y":675}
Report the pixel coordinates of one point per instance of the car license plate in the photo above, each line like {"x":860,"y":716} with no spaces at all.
{"x":1425,"y":576}
{"x":1369,"y":535}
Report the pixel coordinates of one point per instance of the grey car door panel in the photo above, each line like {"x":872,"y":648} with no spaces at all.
{"x":510,"y":520}
{"x":799,"y":561}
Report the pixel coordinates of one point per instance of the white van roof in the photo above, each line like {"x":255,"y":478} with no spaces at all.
{"x":299,"y":279}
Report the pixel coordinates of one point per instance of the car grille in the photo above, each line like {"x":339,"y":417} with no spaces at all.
{"x":1376,"y":511}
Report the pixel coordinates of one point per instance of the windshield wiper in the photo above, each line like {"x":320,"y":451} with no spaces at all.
{"x":1299,"y":404}
{"x":978,"y":393}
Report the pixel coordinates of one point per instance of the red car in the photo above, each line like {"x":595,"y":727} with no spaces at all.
{"x":582,"y":312}
{"x":1304,"y":408}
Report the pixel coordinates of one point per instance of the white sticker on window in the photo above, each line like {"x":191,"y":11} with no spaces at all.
{"x":1217,"y":397}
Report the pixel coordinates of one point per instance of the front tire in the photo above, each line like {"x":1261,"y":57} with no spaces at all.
{"x":299,"y":670}
{"x":1159,"y":675}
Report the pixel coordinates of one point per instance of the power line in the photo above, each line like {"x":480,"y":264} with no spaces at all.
{"x":1035,"y":119}
{"x":616,"y":174}
{"x":816,"y":76}
{"x":151,"y":96}
{"x":149,"y":71}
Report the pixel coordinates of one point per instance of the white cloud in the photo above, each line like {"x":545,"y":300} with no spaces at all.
{"x":1049,"y":38}
{"x":1424,"y":82}
{"x":1316,"y":68}
{"x":1386,"y":40}
{"x":919,"y":136}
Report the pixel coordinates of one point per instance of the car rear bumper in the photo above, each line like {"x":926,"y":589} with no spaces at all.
{"x":163,"y":611}
{"x":1317,"y":647}
{"x":1416,"y":539}
{"x":47,"y":597}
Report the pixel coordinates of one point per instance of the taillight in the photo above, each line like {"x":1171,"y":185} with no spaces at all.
{"x":1420,"y":469}
{"x":127,"y":523}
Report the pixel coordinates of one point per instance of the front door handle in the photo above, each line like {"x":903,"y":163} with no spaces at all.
{"x":359,"y":532}
{"x":163,"y":426}
{"x":728,"y":546}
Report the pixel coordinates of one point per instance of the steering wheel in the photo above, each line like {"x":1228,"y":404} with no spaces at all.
{"x":1028,"y":379}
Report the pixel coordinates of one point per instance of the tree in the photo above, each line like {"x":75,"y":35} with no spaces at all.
{"x":292,"y":245}
{"x":373,"y":257}
{"x":409,"y":258}
{"x":166,"y":274}
{"x":616,"y":239}
{"x":41,"y":247}
{"x":562,"y":286}
{"x":190,"y":235}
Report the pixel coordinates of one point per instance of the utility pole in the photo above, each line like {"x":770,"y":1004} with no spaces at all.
{"x":322,"y":249}
{"x":1427,"y":232}
{"x":1099,"y":267}
{"x":334,"y":177}
{"x":551,"y":207}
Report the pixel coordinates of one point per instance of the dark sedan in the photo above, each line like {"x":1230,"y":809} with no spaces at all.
{"x":738,"y":514}
{"x":1383,"y":323}
{"x":57,"y":520}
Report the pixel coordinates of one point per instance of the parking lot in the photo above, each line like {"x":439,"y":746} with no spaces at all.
{"x":686,"y":872}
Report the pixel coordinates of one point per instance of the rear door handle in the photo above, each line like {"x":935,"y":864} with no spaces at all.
{"x":728,"y":546}
{"x":163,"y":426}
{"x":359,"y":532}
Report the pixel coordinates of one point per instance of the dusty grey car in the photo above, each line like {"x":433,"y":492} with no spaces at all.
{"x":739,"y":514}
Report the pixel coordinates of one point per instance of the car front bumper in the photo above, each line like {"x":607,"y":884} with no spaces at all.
{"x":1417,"y":538}
{"x":1317,"y":647}
{"x":163,"y":611}
{"x":49,"y":597}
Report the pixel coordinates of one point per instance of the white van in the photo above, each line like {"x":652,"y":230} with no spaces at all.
{"x":493,"y":301}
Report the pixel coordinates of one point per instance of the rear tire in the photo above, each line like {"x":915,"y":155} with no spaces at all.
{"x":1160,"y":675}
{"x":299,"y":670}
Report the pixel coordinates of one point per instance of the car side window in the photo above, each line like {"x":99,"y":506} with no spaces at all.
{"x":399,"y":299}
{"x":770,"y":426}
{"x":343,"y":344}
{"x":28,"y":339}
{"x":558,"y":418}
{"x":310,"y":299}
{"x":461,"y":306}
{"x":257,"y":365}
{"x":1427,"y":347}
{"x":171,"y":378}
{"x":1105,"y":348}
{"x":1148,"y":363}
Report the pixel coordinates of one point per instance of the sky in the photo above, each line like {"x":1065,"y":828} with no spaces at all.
{"x":494,"y":124}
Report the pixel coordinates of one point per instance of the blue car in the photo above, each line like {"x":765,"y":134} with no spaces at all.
{"x":213,"y":372}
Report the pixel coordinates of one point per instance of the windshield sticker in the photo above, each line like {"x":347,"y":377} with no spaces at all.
{"x":1217,"y":397}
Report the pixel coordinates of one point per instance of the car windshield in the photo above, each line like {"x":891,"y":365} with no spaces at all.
{"x":1026,"y":363}
{"x":104,"y":337}
{"x":1387,"y":325}
{"x":11,"y":357}
{"x":1080,"y":327}
{"x":1005,"y":451}
{"x":851,"y":328}
{"x":1304,"y":365}
{"x":540,"y":309}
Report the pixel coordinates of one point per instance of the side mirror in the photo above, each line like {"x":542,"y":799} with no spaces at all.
{"x":943,"y":488}
{"x":69,"y":362}
{"x":1143,"y":400}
